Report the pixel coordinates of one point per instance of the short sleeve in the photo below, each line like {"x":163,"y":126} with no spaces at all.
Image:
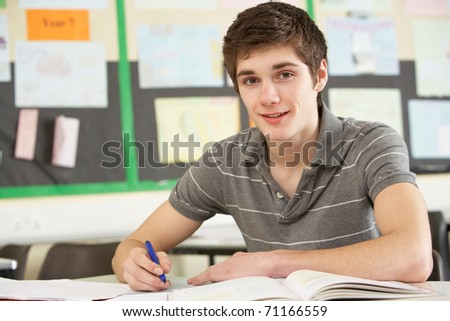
{"x":198,"y":194}
{"x":384,"y":160}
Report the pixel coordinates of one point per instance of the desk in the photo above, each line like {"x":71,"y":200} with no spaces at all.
{"x":213,"y":240}
{"x":442,"y":287}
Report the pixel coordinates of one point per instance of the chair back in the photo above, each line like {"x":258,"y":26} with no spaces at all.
{"x":72,"y":261}
{"x":439,"y":236}
{"x":19,"y":253}
{"x":437,"y":273}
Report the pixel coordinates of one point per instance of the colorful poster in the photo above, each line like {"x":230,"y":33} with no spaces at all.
{"x":180,"y":56}
{"x":362,"y":46}
{"x":187,"y":126}
{"x":60,"y":74}
{"x":58,"y":24}
{"x":372,"y":104}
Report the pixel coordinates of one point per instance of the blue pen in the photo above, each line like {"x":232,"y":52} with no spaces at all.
{"x":154,"y":258}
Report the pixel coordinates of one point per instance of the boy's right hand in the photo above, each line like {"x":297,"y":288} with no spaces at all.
{"x":142,"y":274}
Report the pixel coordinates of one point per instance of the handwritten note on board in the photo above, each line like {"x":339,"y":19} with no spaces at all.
{"x":183,"y":122}
{"x":372,"y":104}
{"x":63,"y":4}
{"x":180,"y":56}
{"x":176,"y":4}
{"x":429,"y":141}
{"x":349,"y":57}
{"x":60,"y":74}
{"x":5,"y":66}
{"x":58,"y":24}
{"x":432,"y":56}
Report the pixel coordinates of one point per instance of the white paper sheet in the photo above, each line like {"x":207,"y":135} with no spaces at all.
{"x":60,"y":74}
{"x":372,"y":104}
{"x":429,"y":141}
{"x":63,"y":4}
{"x":432,"y":56}
{"x":65,"y":141}
{"x":193,"y":120}
{"x":63,"y":289}
{"x":26,"y":134}
{"x":180,"y":56}
{"x":349,"y":41}
{"x":5,"y":63}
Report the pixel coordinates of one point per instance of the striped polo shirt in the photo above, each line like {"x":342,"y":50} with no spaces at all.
{"x":333,"y":203}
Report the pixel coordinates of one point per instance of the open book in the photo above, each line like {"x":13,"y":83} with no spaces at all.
{"x":301,"y":285}
{"x":304,"y":285}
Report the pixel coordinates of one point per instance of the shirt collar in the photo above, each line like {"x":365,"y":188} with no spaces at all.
{"x":330,"y":141}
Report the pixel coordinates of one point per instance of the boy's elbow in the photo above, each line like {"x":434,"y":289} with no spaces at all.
{"x":419,"y":266}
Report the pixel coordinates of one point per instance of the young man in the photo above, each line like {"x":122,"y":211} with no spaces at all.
{"x":308,"y":190}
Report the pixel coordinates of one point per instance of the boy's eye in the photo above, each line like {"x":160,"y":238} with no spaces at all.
{"x":250,"y":81}
{"x":285,"y":75}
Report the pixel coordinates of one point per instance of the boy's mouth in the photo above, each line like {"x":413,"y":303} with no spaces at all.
{"x":275,"y":115}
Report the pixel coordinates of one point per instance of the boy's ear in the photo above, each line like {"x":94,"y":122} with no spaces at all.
{"x":322,"y":76}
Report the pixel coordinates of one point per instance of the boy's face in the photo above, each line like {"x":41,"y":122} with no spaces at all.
{"x":280,"y":94}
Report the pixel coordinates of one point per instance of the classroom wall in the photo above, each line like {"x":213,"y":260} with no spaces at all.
{"x":111,"y":215}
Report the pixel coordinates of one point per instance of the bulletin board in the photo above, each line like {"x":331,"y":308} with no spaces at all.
{"x":117,"y":143}
{"x":389,"y":61}
{"x":118,"y":148}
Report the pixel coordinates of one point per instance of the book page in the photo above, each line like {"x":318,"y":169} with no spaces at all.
{"x":241,"y":289}
{"x":315,"y":285}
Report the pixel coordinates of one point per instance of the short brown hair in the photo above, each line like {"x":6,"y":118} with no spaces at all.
{"x":273,"y":23}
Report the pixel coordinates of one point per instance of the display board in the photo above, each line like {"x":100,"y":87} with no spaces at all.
{"x":389,"y":62}
{"x":82,"y":99}
{"x":112,"y":95}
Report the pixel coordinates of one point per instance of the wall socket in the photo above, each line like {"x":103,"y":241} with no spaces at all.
{"x":26,"y":224}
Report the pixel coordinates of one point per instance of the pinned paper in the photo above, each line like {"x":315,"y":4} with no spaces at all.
{"x":427,"y":8}
{"x":179,"y":56}
{"x":58,"y":24}
{"x":362,"y":50}
{"x":26,"y":134}
{"x":432,"y":56}
{"x":65,"y":141}
{"x":5,"y":66}
{"x":373,"y":104}
{"x":429,"y":142}
{"x":362,"y":46}
{"x":176,"y":4}
{"x":60,"y":74}
{"x":188,"y":125}
{"x":63,"y":4}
